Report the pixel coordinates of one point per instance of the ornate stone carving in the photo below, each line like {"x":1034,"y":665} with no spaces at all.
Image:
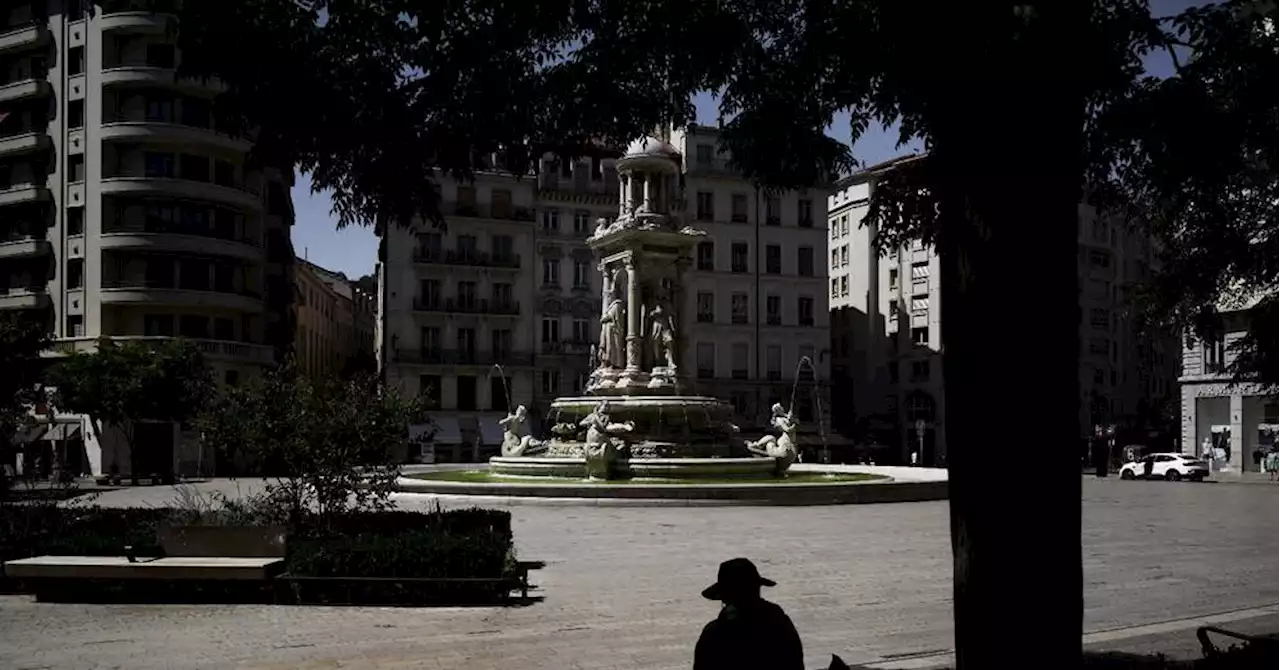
{"x":516,"y":440}
{"x":613,"y":331}
{"x":604,"y":442}
{"x":782,"y":448}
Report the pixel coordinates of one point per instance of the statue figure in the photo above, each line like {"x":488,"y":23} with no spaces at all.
{"x":601,"y":447}
{"x":602,"y":228}
{"x":613,"y":332}
{"x":516,"y":440}
{"x":783,"y":447}
{"x":662,"y":337}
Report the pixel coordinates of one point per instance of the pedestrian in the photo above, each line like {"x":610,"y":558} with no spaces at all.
{"x":915,"y":458}
{"x":1272,"y":464}
{"x":750,"y":633}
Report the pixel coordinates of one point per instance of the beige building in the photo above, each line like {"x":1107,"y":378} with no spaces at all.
{"x":510,"y":291}
{"x":886,"y":314}
{"x":334,"y":321}
{"x":124,"y":212}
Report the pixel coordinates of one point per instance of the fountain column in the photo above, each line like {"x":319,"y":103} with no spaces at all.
{"x":651,"y":193}
{"x":634,"y":335}
{"x":639,"y":194}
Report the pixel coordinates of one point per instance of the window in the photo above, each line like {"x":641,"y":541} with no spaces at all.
{"x":430,"y":291}
{"x":773,"y":362}
{"x":467,"y":393}
{"x":467,"y":292}
{"x":920,"y":305}
{"x":597,"y":169}
{"x":738,"y":308}
{"x":196,"y":112}
{"x":704,"y":154}
{"x":804,"y":261}
{"x":224,"y":173}
{"x":806,"y":352}
{"x":773,"y":310}
{"x":75,"y":325}
{"x":581,"y":272}
{"x":501,"y":342}
{"x":920,"y":371}
{"x":1099,"y":231}
{"x":160,"y":55}
{"x":466,"y":339}
{"x":804,"y":213}
{"x":75,"y":114}
{"x":739,"y":401}
{"x":919,"y":407}
{"x":739,"y":208}
{"x":190,"y":325}
{"x":920,"y":271}
{"x":157,"y":325}
{"x":75,"y":167}
{"x":551,"y":220}
{"x":1099,"y":259}
{"x":844,"y":255}
{"x":429,"y":388}
{"x":738,"y":257}
{"x":1100,"y":346}
{"x":706,"y":360}
{"x":581,"y":222}
{"x":804,"y":308}
{"x":75,"y":221}
{"x":430,"y":338}
{"x":893,"y":373}
{"x":844,"y":285}
{"x":551,"y":272}
{"x":224,"y":329}
{"x":581,"y":330}
{"x":835,"y":287}
{"x":503,"y":295}
{"x":551,"y":330}
{"x":75,"y":273}
{"x":551,"y":382}
{"x":503,"y":248}
{"x":835,"y":259}
{"x":195,"y":168}
{"x":739,"y":354}
{"x":773,"y":259}
{"x":1099,"y":317}
{"x":1215,"y":355}
{"x":920,"y":335}
{"x":158,"y":165}
{"x":707,"y":256}
{"x":1099,"y":377}
{"x":497,"y":393}
{"x":566,"y":168}
{"x":706,"y":210}
{"x":844,"y":225}
{"x":706,"y":307}
{"x":159,"y":109}
{"x":75,"y":61}
{"x":773,"y":211}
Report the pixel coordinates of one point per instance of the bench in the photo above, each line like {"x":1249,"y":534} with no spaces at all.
{"x":306,"y":589}
{"x":230,"y":559}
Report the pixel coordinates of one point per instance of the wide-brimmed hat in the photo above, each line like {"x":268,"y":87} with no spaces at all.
{"x":734,"y":574}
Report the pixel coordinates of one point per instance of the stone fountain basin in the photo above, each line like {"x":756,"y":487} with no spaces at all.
{"x":639,"y":468}
{"x":673,"y":407}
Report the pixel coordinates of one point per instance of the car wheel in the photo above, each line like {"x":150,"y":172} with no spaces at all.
{"x":1127,"y":474}
{"x":1172,"y":475}
{"x":1196,"y":478}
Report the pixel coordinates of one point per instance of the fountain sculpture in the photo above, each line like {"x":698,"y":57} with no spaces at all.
{"x":638,"y":418}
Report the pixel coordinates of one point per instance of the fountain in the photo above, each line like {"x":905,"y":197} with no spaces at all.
{"x":638,"y":417}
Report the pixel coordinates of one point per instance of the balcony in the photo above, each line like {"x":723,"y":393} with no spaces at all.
{"x":712,"y":166}
{"x":174,"y":238}
{"x":30,"y":296}
{"x":23,"y":193}
{"x":143,"y":291}
{"x":467,"y":306}
{"x":22,"y":243}
{"x":463,"y":357}
{"x":468,"y":258}
{"x":25,"y":89}
{"x":165,"y":133}
{"x":186,"y":189}
{"x":570,"y":347}
{"x":24,"y":143}
{"x":473,"y":210}
{"x":20,"y":37}
{"x":217,"y":350}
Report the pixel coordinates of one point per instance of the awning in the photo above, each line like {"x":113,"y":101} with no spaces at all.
{"x":30,"y":433}
{"x":447,"y":432}
{"x":490,"y":431}
{"x":63,"y":431}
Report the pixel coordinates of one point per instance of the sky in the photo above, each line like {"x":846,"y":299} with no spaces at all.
{"x":354,"y":251}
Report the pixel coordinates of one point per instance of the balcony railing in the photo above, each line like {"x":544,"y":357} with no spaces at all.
{"x":489,"y":211}
{"x":431,"y":356}
{"x":711,"y":166}
{"x":463,"y":257}
{"x":177,"y":229}
{"x":169,"y":284}
{"x":567,"y":347}
{"x":467,"y":306}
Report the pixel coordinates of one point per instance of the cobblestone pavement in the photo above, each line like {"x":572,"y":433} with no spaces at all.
{"x":869,"y":582}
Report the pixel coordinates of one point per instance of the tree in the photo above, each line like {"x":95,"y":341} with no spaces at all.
{"x":21,"y":341}
{"x":122,"y":384}
{"x":1019,"y":106}
{"x":331,"y":444}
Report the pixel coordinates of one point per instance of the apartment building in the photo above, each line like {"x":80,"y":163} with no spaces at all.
{"x":335,"y":322}
{"x":124,"y":211}
{"x":887,"y":335}
{"x":1242,"y":419}
{"x":760,"y":285}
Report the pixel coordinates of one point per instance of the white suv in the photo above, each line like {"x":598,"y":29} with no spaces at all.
{"x":1166,"y":466}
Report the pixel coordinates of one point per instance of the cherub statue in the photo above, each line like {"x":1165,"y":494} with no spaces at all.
{"x":782,"y":447}
{"x":516,"y":440}
{"x":601,"y":447}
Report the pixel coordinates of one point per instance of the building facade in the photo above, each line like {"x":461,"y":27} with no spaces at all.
{"x":502,"y":307}
{"x":334,"y":322}
{"x":887,"y":330}
{"x":1241,"y":419}
{"x":124,"y":211}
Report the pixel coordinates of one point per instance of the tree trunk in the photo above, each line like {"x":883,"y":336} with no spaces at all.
{"x":1007,"y":154}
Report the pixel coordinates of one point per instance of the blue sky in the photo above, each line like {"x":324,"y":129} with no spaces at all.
{"x":355,"y":250}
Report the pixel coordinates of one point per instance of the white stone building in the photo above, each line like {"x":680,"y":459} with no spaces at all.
{"x":887,"y":335}
{"x":124,"y":211}
{"x":1241,"y":418}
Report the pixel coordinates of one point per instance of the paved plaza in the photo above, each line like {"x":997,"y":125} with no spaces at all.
{"x":868,"y":582}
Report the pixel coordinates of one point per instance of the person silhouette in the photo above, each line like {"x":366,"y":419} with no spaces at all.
{"x":750,"y":632}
